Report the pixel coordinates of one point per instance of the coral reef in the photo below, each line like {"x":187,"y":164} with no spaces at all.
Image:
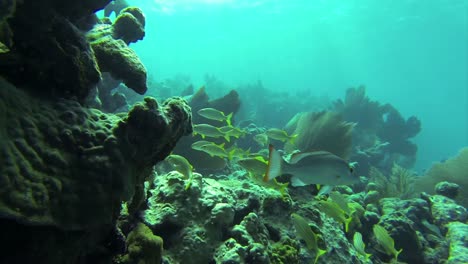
{"x":110,"y":45}
{"x":67,"y":168}
{"x":454,"y":170}
{"x":457,"y":233}
{"x":229,"y":103}
{"x":400,"y":183}
{"x":49,"y":50}
{"x":235,"y":221}
{"x":143,"y":247}
{"x":381,"y":136}
{"x":50,"y":55}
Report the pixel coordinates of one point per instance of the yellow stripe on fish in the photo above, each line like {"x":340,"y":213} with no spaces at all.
{"x":214,"y":114}
{"x":205,"y":130}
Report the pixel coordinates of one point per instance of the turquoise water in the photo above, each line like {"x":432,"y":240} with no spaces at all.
{"x":410,"y":53}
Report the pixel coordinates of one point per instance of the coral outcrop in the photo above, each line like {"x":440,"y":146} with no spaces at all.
{"x":236,"y":221}
{"x":454,"y":170}
{"x":68,"y":168}
{"x":381,"y":135}
{"x":48,"y":49}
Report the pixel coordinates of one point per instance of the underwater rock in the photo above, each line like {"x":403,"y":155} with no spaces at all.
{"x":222,"y":214}
{"x":447,"y":189}
{"x":68,"y":168}
{"x":50,"y":55}
{"x":143,"y":247}
{"x":445,"y":210}
{"x":115,"y":57}
{"x":129,"y":26}
{"x":457,"y":234}
{"x":230,"y":252}
{"x":403,"y":232}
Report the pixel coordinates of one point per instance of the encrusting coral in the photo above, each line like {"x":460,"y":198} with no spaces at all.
{"x":110,"y":45}
{"x":66,"y":167}
{"x":55,"y":54}
{"x":50,"y":55}
{"x":143,"y":247}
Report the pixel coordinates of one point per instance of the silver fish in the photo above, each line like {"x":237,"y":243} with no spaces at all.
{"x":316,"y":167}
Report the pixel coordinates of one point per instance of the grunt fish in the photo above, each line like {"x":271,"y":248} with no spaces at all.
{"x":215,"y":150}
{"x":280,"y":135}
{"x":205,"y":130}
{"x":214,"y":114}
{"x":316,"y":167}
{"x":198,"y":144}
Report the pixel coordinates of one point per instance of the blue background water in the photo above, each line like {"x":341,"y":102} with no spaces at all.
{"x":410,"y":53}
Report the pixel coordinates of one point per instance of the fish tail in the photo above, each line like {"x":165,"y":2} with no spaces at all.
{"x":275,"y":161}
{"x":231,"y":154}
{"x":228,"y":119}
{"x":319,"y":253}
{"x":398,"y":253}
{"x":347,"y":222}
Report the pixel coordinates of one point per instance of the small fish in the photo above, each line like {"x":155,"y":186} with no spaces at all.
{"x":237,"y":153}
{"x":213,"y":114}
{"x":183,"y":166}
{"x":280,"y":135}
{"x":233,"y":131}
{"x":360,"y":246}
{"x":214,"y":150}
{"x":334,"y":211}
{"x":385,"y":241}
{"x":303,"y":231}
{"x":306,"y":168}
{"x":205,"y":130}
{"x":256,"y":165}
{"x":198,"y":144}
{"x":261,"y":139}
{"x":340,"y":200}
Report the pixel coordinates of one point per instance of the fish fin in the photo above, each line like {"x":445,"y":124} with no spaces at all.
{"x":274,"y":164}
{"x":292,"y":139}
{"x":296,"y":182}
{"x":227,"y":138}
{"x":325,"y":189}
{"x":298,"y":156}
{"x":202,"y":136}
{"x":228,"y":119}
